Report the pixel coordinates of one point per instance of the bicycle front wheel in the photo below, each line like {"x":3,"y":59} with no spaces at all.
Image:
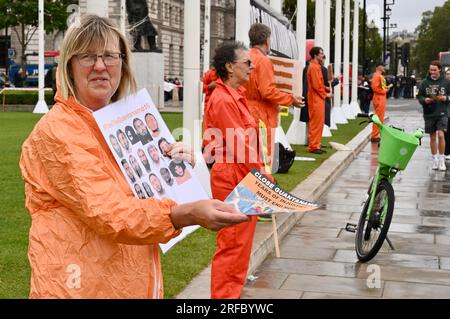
{"x":372,"y":232}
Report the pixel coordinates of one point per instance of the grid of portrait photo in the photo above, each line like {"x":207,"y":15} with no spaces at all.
{"x":143,"y":153}
{"x":140,"y":145}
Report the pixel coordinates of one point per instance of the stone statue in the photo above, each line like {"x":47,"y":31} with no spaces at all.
{"x":138,"y":16}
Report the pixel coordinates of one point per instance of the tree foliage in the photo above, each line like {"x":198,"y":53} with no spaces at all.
{"x":16,"y":12}
{"x":433,"y":37}
{"x":21,"y":17}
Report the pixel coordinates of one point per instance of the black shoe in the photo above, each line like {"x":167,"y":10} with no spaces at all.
{"x":318,"y":152}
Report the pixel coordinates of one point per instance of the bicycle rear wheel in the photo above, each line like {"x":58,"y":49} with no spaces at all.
{"x":371,"y":233}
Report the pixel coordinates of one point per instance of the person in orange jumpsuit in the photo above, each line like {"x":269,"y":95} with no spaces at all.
{"x":317,"y":93}
{"x":228,"y":110}
{"x":262,"y":94}
{"x":90,"y":237}
{"x":380,"y":90}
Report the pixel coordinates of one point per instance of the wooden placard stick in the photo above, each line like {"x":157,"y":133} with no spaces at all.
{"x":275,"y":237}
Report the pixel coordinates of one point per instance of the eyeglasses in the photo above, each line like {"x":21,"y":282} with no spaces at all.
{"x":109,"y":59}
{"x":248,"y":62}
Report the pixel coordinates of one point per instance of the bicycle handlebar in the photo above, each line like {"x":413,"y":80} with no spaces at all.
{"x":373,"y":118}
{"x":419,"y":133}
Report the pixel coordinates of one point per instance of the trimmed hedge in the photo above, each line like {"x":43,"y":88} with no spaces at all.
{"x":25,"y":97}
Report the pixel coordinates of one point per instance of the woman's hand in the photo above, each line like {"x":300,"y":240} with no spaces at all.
{"x":182,"y":152}
{"x":210,"y":214}
{"x":299,"y":101}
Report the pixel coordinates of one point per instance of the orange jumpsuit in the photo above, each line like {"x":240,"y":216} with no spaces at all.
{"x":263,"y":96}
{"x":228,"y":108}
{"x":90,"y":237}
{"x":379,"y":100}
{"x":316,"y":104}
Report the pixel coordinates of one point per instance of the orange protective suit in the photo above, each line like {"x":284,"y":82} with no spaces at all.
{"x":379,"y":100}
{"x":209,"y":77}
{"x":264,"y":98}
{"x":90,"y":237}
{"x":316,"y":104}
{"x":228,"y":108}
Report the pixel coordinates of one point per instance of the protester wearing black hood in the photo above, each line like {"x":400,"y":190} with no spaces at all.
{"x":434,"y":95}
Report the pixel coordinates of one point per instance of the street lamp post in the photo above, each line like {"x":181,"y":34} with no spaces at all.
{"x":393,"y":49}
{"x":387,"y":11}
{"x":364,"y":29}
{"x":389,"y":27}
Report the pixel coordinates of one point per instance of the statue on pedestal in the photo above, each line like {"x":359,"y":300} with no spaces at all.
{"x":141,"y":25}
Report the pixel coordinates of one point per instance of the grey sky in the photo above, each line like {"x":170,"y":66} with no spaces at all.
{"x":407,"y":14}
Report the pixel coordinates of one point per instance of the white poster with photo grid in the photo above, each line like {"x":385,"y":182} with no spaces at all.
{"x":138,"y":136}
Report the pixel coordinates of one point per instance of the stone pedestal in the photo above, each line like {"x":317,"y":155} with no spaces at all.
{"x":149,"y":72}
{"x":99,"y":7}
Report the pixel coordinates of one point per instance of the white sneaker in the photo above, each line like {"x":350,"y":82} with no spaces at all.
{"x":442,"y":166}
{"x":447,"y":158}
{"x":435,"y":165}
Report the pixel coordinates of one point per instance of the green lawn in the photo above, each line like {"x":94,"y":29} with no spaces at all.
{"x":180,"y":265}
{"x":14,"y":219}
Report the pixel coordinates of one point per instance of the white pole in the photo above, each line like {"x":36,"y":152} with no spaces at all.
{"x":298,"y":133}
{"x":280,"y":135}
{"x":191,"y":102}
{"x":301,"y":33}
{"x":243,"y":22}
{"x":192,"y":132}
{"x":346,"y":103}
{"x":327,"y":28}
{"x":41,"y":106}
{"x":207,"y":37}
{"x":123,"y":16}
{"x":319,"y":24}
{"x":326,"y":49}
{"x":340,"y":118}
{"x":354,"y":105}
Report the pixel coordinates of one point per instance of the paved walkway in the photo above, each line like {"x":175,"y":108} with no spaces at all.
{"x":318,"y":257}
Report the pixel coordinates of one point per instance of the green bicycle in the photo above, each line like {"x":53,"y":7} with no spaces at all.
{"x":396,"y":149}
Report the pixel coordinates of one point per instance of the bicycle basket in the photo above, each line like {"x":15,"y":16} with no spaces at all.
{"x":396,"y":148}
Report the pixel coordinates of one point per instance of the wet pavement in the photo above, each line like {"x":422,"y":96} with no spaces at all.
{"x":318,"y":258}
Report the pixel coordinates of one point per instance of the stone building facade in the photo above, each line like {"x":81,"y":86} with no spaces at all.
{"x":168,"y":18}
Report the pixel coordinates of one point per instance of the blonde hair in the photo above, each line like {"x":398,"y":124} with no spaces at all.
{"x":93,"y":31}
